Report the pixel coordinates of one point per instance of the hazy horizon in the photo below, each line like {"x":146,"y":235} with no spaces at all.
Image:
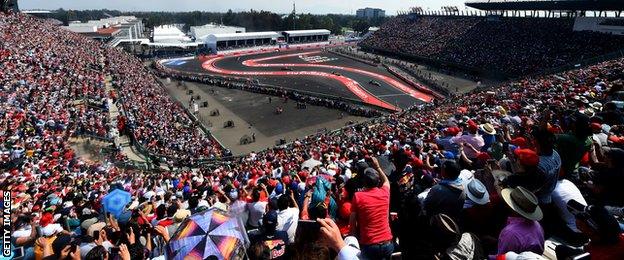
{"x":278,"y":6}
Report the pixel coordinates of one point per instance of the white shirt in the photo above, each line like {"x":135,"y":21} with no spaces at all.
{"x":348,"y":253}
{"x":256,"y":211}
{"x":239,"y":210}
{"x":287,"y":221}
{"x":564,"y":192}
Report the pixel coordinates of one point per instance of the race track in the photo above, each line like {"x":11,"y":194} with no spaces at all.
{"x":312,"y":70}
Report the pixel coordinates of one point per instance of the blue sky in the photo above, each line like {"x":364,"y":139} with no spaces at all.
{"x":279,"y":6}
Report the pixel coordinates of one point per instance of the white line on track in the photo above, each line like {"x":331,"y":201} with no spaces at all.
{"x":392,"y":95}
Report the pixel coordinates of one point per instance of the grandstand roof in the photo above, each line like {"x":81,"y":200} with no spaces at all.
{"x":37,"y":11}
{"x":540,"y":5}
{"x":241,"y":36}
{"x":108,"y":31}
{"x":307,"y":32}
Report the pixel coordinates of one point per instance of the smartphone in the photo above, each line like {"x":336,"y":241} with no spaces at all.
{"x":18,"y":253}
{"x":309,"y":225}
{"x":576,"y":208}
{"x":96,"y":234}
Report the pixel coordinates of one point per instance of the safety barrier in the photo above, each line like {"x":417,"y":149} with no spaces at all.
{"x":374,"y":64}
{"x":420,"y":87}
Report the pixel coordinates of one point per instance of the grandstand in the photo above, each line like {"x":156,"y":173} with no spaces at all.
{"x":503,"y":46}
{"x":572,"y":6}
{"x":527,"y":169}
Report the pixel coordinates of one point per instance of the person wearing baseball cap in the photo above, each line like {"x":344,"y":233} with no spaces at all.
{"x":473,"y":138}
{"x":369,"y":213}
{"x":271,"y":239}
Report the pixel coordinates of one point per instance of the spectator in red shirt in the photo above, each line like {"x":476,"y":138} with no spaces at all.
{"x":370,"y":214}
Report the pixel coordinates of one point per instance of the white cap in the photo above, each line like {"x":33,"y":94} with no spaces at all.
{"x":523,"y":256}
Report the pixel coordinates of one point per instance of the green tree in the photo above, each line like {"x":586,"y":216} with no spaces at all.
{"x":360,"y":26}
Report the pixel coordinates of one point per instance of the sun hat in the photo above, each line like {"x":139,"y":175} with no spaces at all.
{"x":596,"y":105}
{"x":466,"y":176}
{"x":487,"y":128}
{"x":476,"y":191}
{"x":95,"y":227}
{"x":180,"y":215}
{"x":445,"y":228}
{"x":88,"y":222}
{"x":523,"y":202}
{"x":589,"y":112}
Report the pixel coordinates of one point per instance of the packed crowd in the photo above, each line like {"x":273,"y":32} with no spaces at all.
{"x":613,"y":22}
{"x":45,"y":88}
{"x":489,"y":174}
{"x":513,"y":46}
{"x":286,"y":94}
{"x":55,"y":83}
{"x":159,"y":123}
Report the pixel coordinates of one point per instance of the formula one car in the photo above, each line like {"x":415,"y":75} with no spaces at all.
{"x":372,"y":82}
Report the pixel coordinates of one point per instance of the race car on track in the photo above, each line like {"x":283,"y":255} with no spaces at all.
{"x":286,"y":68}
{"x":372,"y":82}
{"x":336,"y":73}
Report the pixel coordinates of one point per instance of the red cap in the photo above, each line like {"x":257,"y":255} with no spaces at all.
{"x":519,"y":141}
{"x":345,"y":210}
{"x":527,"y":157}
{"x":483,"y":156}
{"x":472,"y":126}
{"x":417,"y":162}
{"x":286,"y":179}
{"x":616,"y":139}
{"x":452,"y":130}
{"x":596,"y":126}
{"x":46,"y":219}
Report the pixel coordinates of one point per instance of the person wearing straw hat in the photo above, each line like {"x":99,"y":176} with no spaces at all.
{"x":523,"y":231}
{"x":448,"y":241}
{"x":488,"y":132}
{"x":480,"y":216}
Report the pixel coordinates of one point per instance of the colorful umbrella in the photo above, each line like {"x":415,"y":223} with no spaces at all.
{"x":212,"y":233}
{"x":115,"y":201}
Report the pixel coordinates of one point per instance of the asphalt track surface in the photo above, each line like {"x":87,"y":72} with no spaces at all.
{"x":312,"y":70}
